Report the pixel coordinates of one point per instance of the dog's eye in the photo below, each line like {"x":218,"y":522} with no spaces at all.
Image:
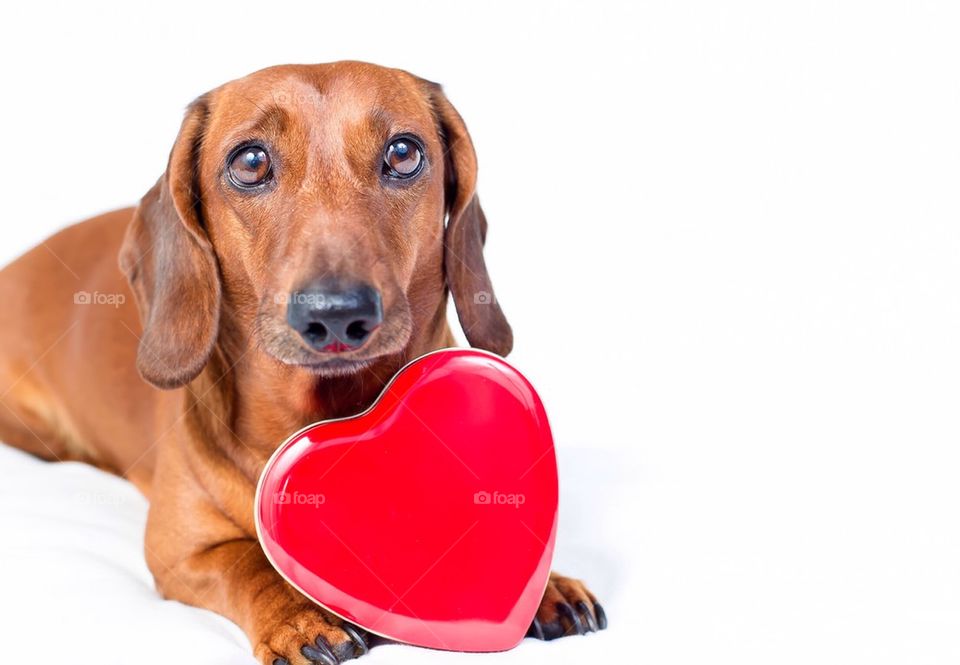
{"x":249,"y":166}
{"x":403,"y":158}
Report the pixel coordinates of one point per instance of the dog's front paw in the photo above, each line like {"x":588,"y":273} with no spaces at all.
{"x":567,"y":608}
{"x":307,"y":635}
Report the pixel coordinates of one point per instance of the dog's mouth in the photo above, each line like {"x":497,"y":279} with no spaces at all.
{"x":331,"y":360}
{"x":333,"y":366}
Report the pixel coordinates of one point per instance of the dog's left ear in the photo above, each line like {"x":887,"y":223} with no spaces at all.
{"x":481,"y":318}
{"x":170,"y":264}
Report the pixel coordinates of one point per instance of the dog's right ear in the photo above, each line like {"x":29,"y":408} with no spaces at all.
{"x":483,"y":322}
{"x":169,"y":261}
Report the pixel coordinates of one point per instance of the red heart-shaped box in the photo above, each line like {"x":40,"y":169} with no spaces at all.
{"x":431,"y":517}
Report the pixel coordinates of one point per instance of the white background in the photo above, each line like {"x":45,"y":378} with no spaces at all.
{"x":728,"y":239}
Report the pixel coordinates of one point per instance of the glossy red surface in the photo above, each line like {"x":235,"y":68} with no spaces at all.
{"x":430,"y":518}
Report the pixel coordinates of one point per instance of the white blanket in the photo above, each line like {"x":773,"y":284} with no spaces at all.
{"x":74,"y":586}
{"x":695,"y":563}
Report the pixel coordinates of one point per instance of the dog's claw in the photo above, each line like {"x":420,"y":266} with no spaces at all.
{"x":565,"y":609}
{"x":536,"y":629}
{"x":358,"y":641}
{"x":588,"y":616}
{"x":321,"y":653}
{"x":553,"y":630}
{"x":601,"y":615}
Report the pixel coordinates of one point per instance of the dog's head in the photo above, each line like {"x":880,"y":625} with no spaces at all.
{"x":325,"y":210}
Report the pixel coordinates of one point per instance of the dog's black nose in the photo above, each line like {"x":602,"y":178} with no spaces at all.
{"x":334,"y":319}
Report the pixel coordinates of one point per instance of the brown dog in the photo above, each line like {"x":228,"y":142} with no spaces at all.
{"x":290,"y":260}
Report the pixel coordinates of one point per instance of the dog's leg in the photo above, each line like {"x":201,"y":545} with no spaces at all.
{"x":567,"y":608}
{"x":234,"y":579}
{"x":202,"y":552}
{"x":30,"y":422}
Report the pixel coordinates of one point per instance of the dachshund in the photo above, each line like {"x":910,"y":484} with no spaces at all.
{"x":299,"y":249}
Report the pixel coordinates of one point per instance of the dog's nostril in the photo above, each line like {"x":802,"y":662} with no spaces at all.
{"x":317,"y":332}
{"x":357,"y":331}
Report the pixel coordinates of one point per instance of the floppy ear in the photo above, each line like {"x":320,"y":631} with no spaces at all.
{"x":481,"y":318}
{"x":170,"y":265}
